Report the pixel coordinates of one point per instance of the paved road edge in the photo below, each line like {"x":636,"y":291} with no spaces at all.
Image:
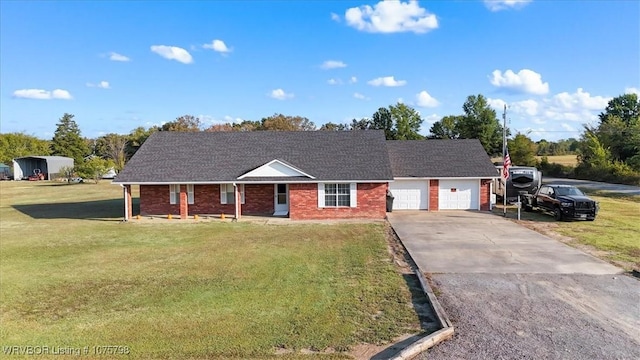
{"x":432,"y":339}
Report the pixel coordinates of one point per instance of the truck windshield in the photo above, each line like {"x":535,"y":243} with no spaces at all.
{"x":569,"y":191}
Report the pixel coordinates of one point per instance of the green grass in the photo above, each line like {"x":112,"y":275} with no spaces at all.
{"x":614,"y":235}
{"x":72,"y":274}
{"x":616,"y":229}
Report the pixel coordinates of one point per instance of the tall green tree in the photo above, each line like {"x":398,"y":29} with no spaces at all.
{"x":480,"y":122}
{"x":522,"y":150}
{"x":383,"y":120}
{"x":136,"y":138}
{"x":67,"y":140}
{"x":446,"y":128}
{"x":14,"y":145}
{"x":407,"y":122}
{"x":619,"y":128}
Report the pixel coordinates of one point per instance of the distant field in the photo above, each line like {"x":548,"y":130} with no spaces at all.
{"x":567,"y":160}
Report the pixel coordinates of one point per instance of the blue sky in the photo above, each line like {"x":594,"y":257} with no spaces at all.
{"x":118,"y":65}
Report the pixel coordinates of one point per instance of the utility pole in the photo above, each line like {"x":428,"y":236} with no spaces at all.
{"x":504,"y":152}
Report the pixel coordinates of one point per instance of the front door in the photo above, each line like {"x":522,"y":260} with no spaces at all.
{"x":281,"y":199}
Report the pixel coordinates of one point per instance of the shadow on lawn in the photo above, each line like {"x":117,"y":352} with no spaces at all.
{"x":99,"y":210}
{"x":426,"y":316}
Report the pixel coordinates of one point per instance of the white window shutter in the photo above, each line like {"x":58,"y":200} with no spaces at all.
{"x":172,"y":194}
{"x":241,"y":193}
{"x":320,"y":195}
{"x":223,"y":193}
{"x":354,"y":194}
{"x":190,"y":197}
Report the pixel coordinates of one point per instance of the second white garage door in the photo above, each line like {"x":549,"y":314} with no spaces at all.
{"x":458,"y":195}
{"x":409,"y":194}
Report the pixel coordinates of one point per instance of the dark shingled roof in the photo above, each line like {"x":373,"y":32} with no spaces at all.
{"x":440,"y":159}
{"x":223,"y":156}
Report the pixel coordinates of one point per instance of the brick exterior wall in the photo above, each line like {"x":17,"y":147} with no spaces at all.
{"x":434,"y":188}
{"x":485,"y":194}
{"x":258,"y":199}
{"x":303,"y":203}
{"x":154,"y":200}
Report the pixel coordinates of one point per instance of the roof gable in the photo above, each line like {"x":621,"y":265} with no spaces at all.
{"x":275,"y":168}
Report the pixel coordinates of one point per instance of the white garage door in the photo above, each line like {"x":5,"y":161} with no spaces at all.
{"x":409,"y":194}
{"x":458,"y":194}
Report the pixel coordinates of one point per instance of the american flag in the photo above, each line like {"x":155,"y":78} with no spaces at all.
{"x":506,"y":164}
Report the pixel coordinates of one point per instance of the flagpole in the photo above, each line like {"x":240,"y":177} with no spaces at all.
{"x":504,"y":149}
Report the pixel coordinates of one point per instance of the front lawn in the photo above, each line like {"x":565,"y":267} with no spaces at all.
{"x":72,"y":275}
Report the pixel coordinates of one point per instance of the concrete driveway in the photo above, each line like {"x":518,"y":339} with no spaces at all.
{"x":477,"y":242}
{"x":512,"y":293}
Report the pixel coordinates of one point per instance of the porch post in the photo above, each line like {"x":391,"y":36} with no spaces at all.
{"x":237,"y":196}
{"x":128,"y":203}
{"x":184,"y":205}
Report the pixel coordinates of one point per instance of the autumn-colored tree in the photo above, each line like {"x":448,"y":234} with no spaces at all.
{"x":183,"y":123}
{"x":281,"y":122}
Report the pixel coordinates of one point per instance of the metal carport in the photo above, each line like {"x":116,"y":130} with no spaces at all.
{"x":49,"y":165}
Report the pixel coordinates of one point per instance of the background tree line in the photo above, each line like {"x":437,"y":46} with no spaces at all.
{"x":608,"y":151}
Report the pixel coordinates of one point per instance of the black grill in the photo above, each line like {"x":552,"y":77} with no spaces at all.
{"x":584,"y":205}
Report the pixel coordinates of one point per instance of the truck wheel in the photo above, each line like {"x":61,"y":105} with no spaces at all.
{"x":528,"y":208}
{"x":558,"y":214}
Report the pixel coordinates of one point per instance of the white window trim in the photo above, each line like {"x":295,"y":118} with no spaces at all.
{"x":190,"y":194}
{"x":353,"y":195}
{"x":223,"y":193}
{"x":174,"y":196}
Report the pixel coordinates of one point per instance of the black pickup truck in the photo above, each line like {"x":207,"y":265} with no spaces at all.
{"x":563,"y":201}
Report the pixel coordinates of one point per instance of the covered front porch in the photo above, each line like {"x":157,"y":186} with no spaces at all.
{"x":229,"y":200}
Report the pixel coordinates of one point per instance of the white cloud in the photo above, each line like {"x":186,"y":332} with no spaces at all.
{"x":562,"y":114}
{"x":391,"y":17}
{"x":173,"y":53}
{"x":360,"y":96}
{"x":333,"y":64}
{"x":114,"y":56}
{"x":498,"y":5}
{"x":496,"y":104}
{"x":353,"y":80}
{"x":39,"y":94}
{"x":525,"y":81}
{"x":334,"y":81}
{"x":632,"y":90}
{"x":426,"y":100}
{"x":218,"y":45}
{"x":335,"y":17}
{"x":280,"y":94}
{"x":580,"y":100}
{"x":101,"y":85}
{"x":386,"y":81}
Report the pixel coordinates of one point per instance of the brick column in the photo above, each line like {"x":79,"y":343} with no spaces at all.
{"x":434,"y":188}
{"x":184,"y":206}
{"x":129,"y":204}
